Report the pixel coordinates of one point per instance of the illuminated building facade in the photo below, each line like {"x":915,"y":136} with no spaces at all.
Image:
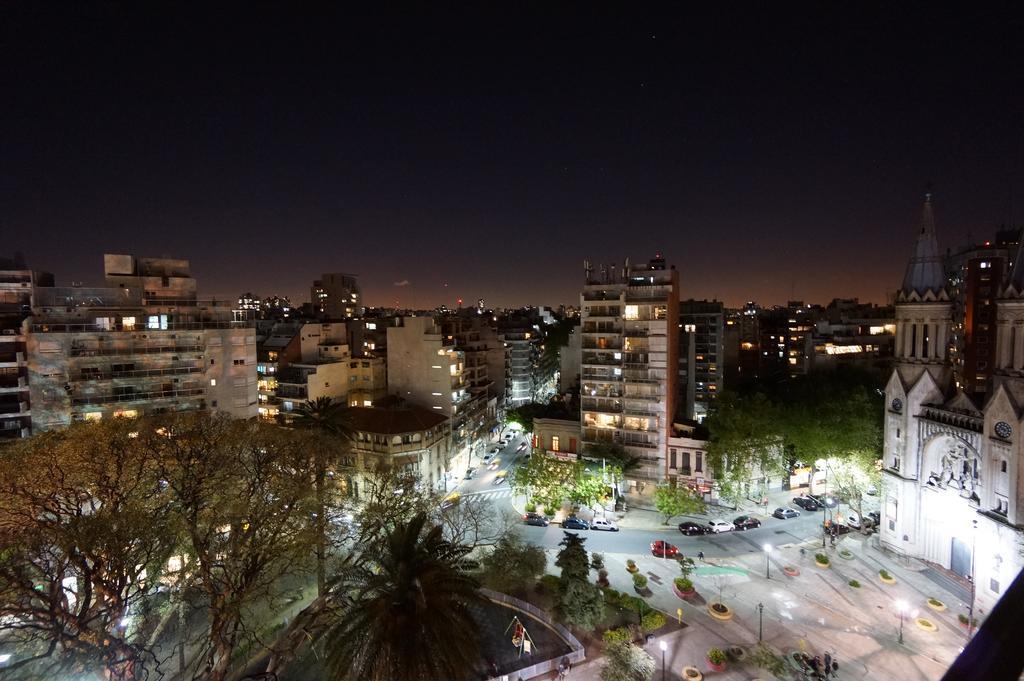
{"x":336,"y":296}
{"x":953,"y":484}
{"x":629,"y":360}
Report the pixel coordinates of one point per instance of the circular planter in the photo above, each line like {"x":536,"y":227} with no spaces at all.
{"x":715,"y":667}
{"x":632,"y":569}
{"x":936,"y":605}
{"x":725,"y":613}
{"x":887,"y":580}
{"x":736,"y":653}
{"x":843,"y":553}
{"x":682,"y":594}
{"x":791,"y":571}
{"x":926,"y":625}
{"x":823,"y":566}
{"x":692,"y":674}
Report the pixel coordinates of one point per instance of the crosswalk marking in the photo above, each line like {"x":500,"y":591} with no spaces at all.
{"x":490,"y":493}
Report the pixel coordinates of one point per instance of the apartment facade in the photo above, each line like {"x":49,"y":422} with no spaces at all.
{"x":701,"y":356}
{"x":17,"y":286}
{"x":336,"y":296}
{"x":145,"y":343}
{"x":629,"y":362}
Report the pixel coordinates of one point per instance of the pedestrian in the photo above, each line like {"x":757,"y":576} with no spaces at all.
{"x":828,"y":664}
{"x":700,"y":555}
{"x":832,"y":539}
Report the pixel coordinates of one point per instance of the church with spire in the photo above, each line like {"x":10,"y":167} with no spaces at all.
{"x":953,"y":479}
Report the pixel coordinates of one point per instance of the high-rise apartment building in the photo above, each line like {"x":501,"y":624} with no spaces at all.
{"x":336,"y":296}
{"x":701,"y":356}
{"x":629,"y":363}
{"x":145,"y":343}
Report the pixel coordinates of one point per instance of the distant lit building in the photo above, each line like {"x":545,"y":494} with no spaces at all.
{"x":336,"y":296}
{"x":701,"y":356}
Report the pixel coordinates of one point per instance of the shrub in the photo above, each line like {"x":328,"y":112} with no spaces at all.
{"x":763,"y":657}
{"x":631,"y":563}
{"x":683,"y":584}
{"x":854,"y":583}
{"x":596,"y":560}
{"x":821,"y":558}
{"x":618,"y":634}
{"x":716,"y":656}
{"x":652,"y":621}
{"x":530,"y":507}
{"x":884,"y":574}
{"x":640,"y":581}
{"x":549,"y":583}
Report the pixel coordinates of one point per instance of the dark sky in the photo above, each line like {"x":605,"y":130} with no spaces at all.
{"x":766,"y":154}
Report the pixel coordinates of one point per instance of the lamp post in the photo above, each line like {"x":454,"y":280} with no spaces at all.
{"x":760,"y":621}
{"x":767,"y":561}
{"x":901,"y":606}
{"x":664,"y":647}
{"x":970,"y":611}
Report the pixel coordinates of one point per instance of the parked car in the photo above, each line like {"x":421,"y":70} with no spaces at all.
{"x":807,"y":503}
{"x":690,"y":528}
{"x":876,"y":518}
{"x":493,"y":451}
{"x":716,"y":526}
{"x":662,"y":549}
{"x":536,"y":519}
{"x":470,"y":472}
{"x":489,"y":456}
{"x":574,"y":523}
{"x":602,"y":524}
{"x":500,"y":478}
{"x":745,"y":522}
{"x":783,"y":513}
{"x":853,"y":520}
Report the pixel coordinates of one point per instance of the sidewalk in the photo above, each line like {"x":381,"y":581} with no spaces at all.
{"x":816,"y":611}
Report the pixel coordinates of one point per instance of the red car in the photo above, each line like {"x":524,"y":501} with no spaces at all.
{"x":662,"y":549}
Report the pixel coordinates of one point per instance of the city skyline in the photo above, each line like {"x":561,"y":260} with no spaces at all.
{"x":497,"y":152}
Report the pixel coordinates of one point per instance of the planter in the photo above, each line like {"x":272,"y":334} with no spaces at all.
{"x":843,"y":553}
{"x":936,"y":605}
{"x":736,"y":653}
{"x":692,"y":674}
{"x":887,"y":579}
{"x":715,"y":667}
{"x":683,"y":594}
{"x":924,"y":624}
{"x":720,"y":611}
{"x":823,"y":566}
{"x":791,"y":571}
{"x":631,"y":567}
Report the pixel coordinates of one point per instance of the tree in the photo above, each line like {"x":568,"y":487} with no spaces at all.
{"x":513,"y":565}
{"x":408,"y":607}
{"x":325,"y":418}
{"x":672,"y":500}
{"x":86,"y":531}
{"x":626,"y":662}
{"x":243,"y":504}
{"x":546,"y":479}
{"x":476,"y":522}
{"x":587,"y":489}
{"x":579,"y":603}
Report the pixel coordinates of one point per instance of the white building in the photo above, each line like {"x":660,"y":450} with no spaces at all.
{"x":953,"y":493}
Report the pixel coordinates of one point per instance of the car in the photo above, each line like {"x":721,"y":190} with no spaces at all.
{"x":662,"y":549}
{"x":853,"y":520}
{"x":824,"y":500}
{"x":451,"y":500}
{"x":783,"y":513}
{"x":875,"y":518}
{"x":488,"y":457}
{"x":716,"y":526}
{"x":521,"y":447}
{"x":574,"y":523}
{"x":493,"y":465}
{"x":500,"y":478}
{"x":494,"y":450}
{"x":536,"y":519}
{"x":745,"y":522}
{"x":602,"y":524}
{"x":470,"y":472}
{"x":871,"y":490}
{"x":805,"y":502}
{"x":690,"y":528}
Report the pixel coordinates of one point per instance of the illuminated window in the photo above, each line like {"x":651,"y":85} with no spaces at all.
{"x":93,"y":415}
{"x":128,"y":323}
{"x":213,"y":382}
{"x":632,"y":312}
{"x":372,"y":326}
{"x":554,"y":443}
{"x":126,"y":414}
{"x":367,"y":403}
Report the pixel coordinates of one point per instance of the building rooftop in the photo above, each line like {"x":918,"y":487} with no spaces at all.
{"x":405,"y":419}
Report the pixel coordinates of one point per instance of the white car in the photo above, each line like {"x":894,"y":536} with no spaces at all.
{"x":488,"y":456}
{"x":853,"y":520}
{"x":494,"y":450}
{"x":602,"y":524}
{"x":720,"y":526}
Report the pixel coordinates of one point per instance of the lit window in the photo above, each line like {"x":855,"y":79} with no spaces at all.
{"x":213,"y":381}
{"x":371,"y":326}
{"x":632,"y":312}
{"x":554,"y":443}
{"x":128,"y":323}
{"x":126,"y":414}
{"x":367,"y":403}
{"x":985,"y":265}
{"x":93,"y":415}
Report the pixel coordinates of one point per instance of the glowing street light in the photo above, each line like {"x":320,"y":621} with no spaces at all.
{"x":902,"y":607}
{"x":664,"y":647}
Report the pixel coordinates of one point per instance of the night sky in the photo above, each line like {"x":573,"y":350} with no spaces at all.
{"x":767,"y":155}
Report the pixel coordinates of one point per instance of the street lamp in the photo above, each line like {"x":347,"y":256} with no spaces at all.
{"x":902,"y":607}
{"x":767,"y":561}
{"x":664,"y":647}
{"x":760,"y":621}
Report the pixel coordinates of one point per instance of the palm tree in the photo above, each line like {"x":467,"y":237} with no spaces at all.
{"x":410,"y":618}
{"x":324,"y":417}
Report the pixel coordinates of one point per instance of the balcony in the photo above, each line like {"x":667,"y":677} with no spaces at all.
{"x":140,"y":327}
{"x":115,"y":398}
{"x":10,"y":408}
{"x":133,"y":349}
{"x":592,"y":344}
{"x":13,"y":384}
{"x":11,"y":359}
{"x":107,"y":375}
